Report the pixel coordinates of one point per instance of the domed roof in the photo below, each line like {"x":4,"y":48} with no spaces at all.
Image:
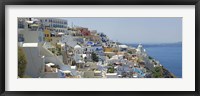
{"x":77,"y":47}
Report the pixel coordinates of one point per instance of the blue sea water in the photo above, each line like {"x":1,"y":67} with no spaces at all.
{"x":169,"y":55}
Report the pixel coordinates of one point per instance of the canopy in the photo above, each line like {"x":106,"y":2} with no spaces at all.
{"x":50,"y":64}
{"x":29,"y":21}
{"x":60,"y":33}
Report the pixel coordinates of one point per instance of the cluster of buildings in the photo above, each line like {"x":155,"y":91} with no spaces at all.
{"x":55,"y":50}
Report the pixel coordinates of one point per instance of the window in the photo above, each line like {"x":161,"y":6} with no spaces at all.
{"x":40,"y":39}
{"x":20,"y":37}
{"x":20,"y":23}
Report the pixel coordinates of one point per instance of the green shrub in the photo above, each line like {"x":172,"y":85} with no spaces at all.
{"x":157,"y":72}
{"x":95,"y":58}
{"x":21,"y":62}
{"x":150,"y":57}
{"x":111,"y":70}
{"x":130,"y":52}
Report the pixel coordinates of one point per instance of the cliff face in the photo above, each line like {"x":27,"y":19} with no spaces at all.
{"x":167,"y":74}
{"x":161,"y":72}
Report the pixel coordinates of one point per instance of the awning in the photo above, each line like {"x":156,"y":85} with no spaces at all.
{"x":34,"y":25}
{"x":29,"y":22}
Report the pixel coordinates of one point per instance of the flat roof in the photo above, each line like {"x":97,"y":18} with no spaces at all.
{"x":30,"y":45}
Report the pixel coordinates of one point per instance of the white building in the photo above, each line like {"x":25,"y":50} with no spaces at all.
{"x":78,"y":55}
{"x":141,"y":51}
{"x":123,"y":47}
{"x":29,"y":31}
{"x":55,"y":24}
{"x":30,"y":37}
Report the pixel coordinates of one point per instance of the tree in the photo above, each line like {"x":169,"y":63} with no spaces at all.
{"x":21,"y":62}
{"x":85,"y":59}
{"x":73,"y":63}
{"x":94,"y":56}
{"x":130,"y":52}
{"x":108,"y":56}
{"x":150,"y":57}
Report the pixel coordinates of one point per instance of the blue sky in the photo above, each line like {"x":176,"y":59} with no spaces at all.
{"x":135,"y":30}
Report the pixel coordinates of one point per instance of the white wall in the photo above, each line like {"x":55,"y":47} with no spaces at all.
{"x":31,"y":36}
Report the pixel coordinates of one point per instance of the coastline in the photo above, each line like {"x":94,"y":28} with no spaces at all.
{"x":79,"y":52}
{"x":163,"y":49}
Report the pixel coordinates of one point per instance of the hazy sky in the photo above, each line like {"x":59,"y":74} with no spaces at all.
{"x":135,"y":30}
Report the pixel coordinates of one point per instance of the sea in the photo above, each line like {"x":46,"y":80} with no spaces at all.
{"x":169,"y":55}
